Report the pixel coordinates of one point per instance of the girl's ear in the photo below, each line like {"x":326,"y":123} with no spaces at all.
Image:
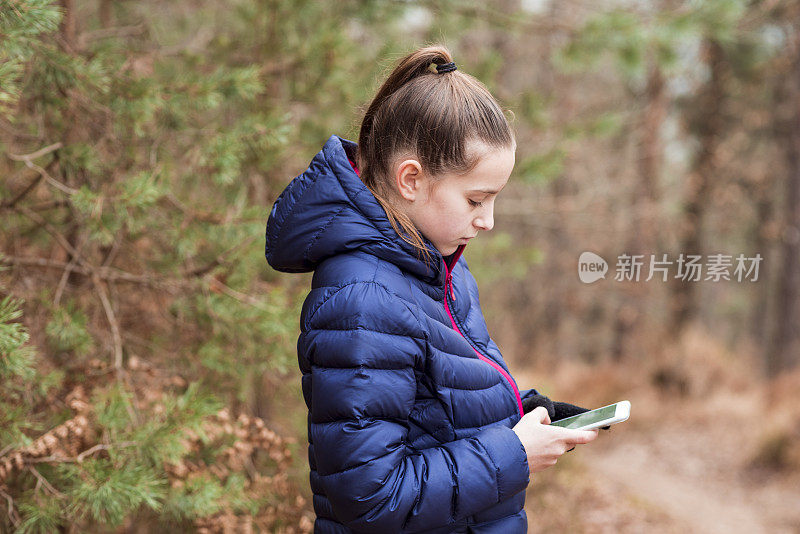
{"x":409,"y":180}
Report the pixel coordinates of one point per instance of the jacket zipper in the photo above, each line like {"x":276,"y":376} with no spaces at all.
{"x":448,"y":288}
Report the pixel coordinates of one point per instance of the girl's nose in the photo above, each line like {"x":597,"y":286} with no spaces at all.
{"x":485,"y":222}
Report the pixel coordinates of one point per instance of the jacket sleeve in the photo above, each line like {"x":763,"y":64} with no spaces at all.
{"x":363,"y":347}
{"x":527,"y":393}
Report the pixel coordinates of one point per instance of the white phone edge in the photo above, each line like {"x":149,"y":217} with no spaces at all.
{"x":622,"y":413}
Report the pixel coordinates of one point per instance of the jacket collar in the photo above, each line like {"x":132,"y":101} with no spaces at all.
{"x":327,"y":210}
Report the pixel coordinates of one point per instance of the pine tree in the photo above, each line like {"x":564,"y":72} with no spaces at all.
{"x":141,"y":157}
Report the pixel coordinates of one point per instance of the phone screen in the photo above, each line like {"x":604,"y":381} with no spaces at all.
{"x":587,"y":418}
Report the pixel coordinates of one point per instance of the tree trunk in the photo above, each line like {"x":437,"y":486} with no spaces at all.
{"x":70,"y":136}
{"x":642,"y":234}
{"x":105,"y":13}
{"x":68,"y":25}
{"x":759,"y":313}
{"x":781,"y":355}
{"x":683,"y":305}
{"x":560,"y":88}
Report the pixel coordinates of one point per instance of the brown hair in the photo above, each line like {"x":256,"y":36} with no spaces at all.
{"x":437,"y":118}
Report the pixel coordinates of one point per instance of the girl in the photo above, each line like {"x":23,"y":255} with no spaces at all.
{"x":415,"y":423}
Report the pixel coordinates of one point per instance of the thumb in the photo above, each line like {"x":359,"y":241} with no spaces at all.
{"x":540,"y":414}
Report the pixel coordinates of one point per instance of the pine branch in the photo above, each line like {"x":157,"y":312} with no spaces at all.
{"x":13,"y":515}
{"x":43,"y":481}
{"x":215,"y":285}
{"x":64,"y":277}
{"x":38,"y":154}
{"x":112,"y":319}
{"x":111,"y":274}
{"x":42,"y":173}
{"x":58,"y":459}
{"x":220,"y":259}
{"x":28,"y":160}
{"x":117,"y":31}
{"x":35,"y":217}
{"x":21,"y":195}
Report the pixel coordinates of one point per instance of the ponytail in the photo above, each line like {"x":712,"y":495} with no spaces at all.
{"x":435,"y":116}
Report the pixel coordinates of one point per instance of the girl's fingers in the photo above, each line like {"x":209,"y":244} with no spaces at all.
{"x":577,"y":437}
{"x":541,"y":415}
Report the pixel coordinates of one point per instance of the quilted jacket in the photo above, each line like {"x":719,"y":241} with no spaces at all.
{"x":410,"y":402}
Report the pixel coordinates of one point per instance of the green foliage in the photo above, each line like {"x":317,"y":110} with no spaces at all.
{"x":66,"y":331}
{"x":534,"y":108}
{"x":717,"y":19}
{"x":636,"y":41}
{"x":540,"y":168}
{"x":42,"y":516}
{"x":19,"y":377}
{"x":141,"y":190}
{"x":604,"y":125}
{"x":159,"y":441}
{"x":199,"y":498}
{"x":108,"y":492}
{"x":203,"y":496}
{"x":501,"y":258}
{"x":162,"y":436}
{"x":617,"y":32}
{"x":269,"y":330}
{"x":113,"y":407}
{"x":85,"y":201}
{"x":20,"y":25}
{"x":15,"y":359}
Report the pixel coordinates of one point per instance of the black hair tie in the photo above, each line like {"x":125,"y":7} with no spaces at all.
{"x":447,"y":67}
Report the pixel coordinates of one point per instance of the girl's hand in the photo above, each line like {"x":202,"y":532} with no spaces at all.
{"x":544,"y":443}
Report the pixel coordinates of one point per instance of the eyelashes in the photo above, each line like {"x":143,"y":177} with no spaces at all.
{"x":475,"y":204}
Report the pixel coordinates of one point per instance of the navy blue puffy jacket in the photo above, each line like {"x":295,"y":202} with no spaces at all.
{"x":410,"y":402}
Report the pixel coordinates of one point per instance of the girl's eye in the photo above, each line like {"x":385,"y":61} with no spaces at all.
{"x":476,"y":204}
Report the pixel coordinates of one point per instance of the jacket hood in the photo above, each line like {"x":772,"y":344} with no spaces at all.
{"x":327,"y":210}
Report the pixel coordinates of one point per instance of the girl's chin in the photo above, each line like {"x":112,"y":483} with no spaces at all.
{"x":450,"y":249}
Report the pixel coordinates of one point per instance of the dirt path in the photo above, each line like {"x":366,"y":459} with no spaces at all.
{"x":693,"y":471}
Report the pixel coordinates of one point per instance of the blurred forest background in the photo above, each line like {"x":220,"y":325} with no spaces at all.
{"x":147,"y":352}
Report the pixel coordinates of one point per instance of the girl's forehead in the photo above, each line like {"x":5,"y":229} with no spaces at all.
{"x":491,"y":173}
{"x":479,"y":184}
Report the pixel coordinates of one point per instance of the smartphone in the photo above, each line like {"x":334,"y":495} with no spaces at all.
{"x":607,"y":415}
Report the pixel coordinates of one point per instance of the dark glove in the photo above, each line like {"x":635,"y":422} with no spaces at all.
{"x":564,"y":409}
{"x":534,"y":401}
{"x":556,"y":410}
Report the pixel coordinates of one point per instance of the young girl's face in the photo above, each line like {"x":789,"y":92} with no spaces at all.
{"x":457,"y":207}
